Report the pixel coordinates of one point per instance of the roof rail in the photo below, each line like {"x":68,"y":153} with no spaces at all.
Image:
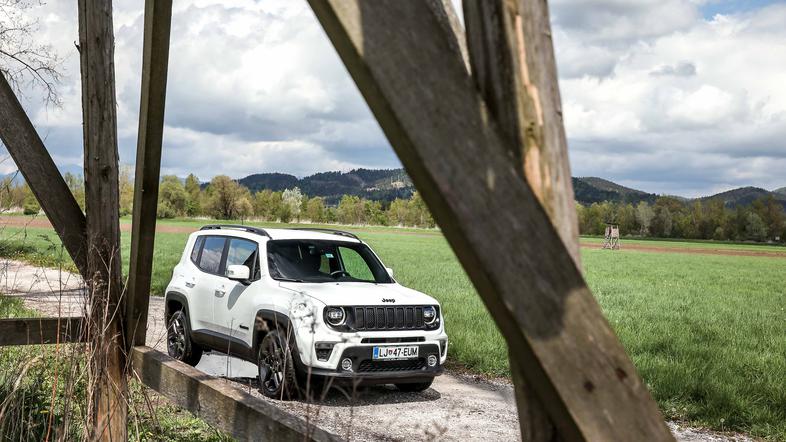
{"x":249,"y":229}
{"x":333,"y":231}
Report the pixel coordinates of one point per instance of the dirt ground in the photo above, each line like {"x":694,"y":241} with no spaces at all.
{"x":456,"y":408}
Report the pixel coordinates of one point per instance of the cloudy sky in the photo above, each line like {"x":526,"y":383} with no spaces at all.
{"x":670,"y":96}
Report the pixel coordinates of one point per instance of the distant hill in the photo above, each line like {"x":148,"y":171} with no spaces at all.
{"x":374,"y":184}
{"x":745,"y":196}
{"x":590,"y":190}
{"x":388,"y":184}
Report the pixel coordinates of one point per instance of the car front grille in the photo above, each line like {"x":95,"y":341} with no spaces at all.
{"x":387,"y":318}
{"x":370,"y":366}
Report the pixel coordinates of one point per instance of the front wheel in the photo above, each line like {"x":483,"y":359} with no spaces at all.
{"x":178,"y":343}
{"x":415,"y":387}
{"x":277,"y":377}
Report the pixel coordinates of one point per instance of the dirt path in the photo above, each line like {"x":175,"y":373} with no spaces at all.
{"x":691,"y":250}
{"x":455,"y":408}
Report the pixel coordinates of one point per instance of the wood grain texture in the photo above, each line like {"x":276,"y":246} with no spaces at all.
{"x":519,"y":85}
{"x":513,"y":65}
{"x":31,"y":331}
{"x":155,"y":62}
{"x":107,"y":386}
{"x":41,"y":174}
{"x":441,"y":129}
{"x":218,"y":402}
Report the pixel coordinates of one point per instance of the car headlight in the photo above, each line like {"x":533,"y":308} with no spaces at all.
{"x":335,"y":316}
{"x":429,"y":315}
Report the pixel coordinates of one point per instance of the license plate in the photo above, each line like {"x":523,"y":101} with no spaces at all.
{"x":400,"y":352}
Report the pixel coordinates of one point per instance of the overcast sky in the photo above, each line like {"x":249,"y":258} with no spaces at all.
{"x":682,"y":97}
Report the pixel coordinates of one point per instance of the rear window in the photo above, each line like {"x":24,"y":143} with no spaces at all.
{"x":212,"y":251}
{"x":197,"y":248}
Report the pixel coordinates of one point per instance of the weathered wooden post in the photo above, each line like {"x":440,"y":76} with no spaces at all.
{"x":513,"y":66}
{"x":107,"y":390}
{"x":155,"y":62}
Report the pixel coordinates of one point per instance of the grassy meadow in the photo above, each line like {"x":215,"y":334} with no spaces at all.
{"x":706,"y":332}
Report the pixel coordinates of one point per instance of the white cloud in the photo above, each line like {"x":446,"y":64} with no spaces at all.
{"x":655,"y":95}
{"x":717,"y":102}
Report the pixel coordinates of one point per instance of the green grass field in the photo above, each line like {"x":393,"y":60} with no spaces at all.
{"x":706,"y":332}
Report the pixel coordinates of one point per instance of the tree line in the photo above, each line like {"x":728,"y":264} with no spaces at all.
{"x":224,"y":198}
{"x":670,"y":217}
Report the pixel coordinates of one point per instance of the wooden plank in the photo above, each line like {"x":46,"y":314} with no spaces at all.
{"x":31,"y":331}
{"x":218,"y":403}
{"x":107,"y":408}
{"x":429,"y":109}
{"x":155,"y":61}
{"x":514,"y":69}
{"x":41,"y":174}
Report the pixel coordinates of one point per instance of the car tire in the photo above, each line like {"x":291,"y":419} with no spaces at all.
{"x":179,"y":344}
{"x":277,"y":376}
{"x":415,"y":387}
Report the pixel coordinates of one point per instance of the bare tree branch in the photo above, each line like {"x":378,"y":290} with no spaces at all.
{"x":24,"y":61}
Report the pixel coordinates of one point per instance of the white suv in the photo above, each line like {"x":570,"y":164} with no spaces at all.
{"x":301,"y":303}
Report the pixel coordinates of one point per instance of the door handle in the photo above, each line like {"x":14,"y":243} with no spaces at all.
{"x":220,"y":292}
{"x":190,"y":284}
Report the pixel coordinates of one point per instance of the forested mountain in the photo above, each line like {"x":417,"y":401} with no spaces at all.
{"x":373,"y":184}
{"x":590,"y":190}
{"x":745,"y":196}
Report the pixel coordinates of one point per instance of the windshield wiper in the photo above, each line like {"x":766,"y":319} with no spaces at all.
{"x":289,"y":280}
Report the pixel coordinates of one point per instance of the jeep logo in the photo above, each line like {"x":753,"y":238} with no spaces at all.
{"x":388,"y":300}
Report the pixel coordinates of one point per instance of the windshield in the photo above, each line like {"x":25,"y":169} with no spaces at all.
{"x":324,"y":261}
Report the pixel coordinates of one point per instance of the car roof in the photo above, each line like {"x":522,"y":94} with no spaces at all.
{"x":251,"y":232}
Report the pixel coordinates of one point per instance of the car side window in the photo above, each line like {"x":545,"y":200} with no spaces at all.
{"x":246,"y":253}
{"x":213,"y":249}
{"x":197,"y":248}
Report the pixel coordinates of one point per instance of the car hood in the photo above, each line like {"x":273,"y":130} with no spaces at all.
{"x":360,"y":293}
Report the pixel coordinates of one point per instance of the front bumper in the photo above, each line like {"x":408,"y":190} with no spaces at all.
{"x":366,"y":370}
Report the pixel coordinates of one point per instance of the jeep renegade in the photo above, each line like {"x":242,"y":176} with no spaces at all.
{"x":301,"y":303}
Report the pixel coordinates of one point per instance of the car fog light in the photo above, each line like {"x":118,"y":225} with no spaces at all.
{"x":346,"y":364}
{"x":432,"y":360}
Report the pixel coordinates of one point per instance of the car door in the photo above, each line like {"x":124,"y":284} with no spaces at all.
{"x":207,"y":283}
{"x":233,"y":301}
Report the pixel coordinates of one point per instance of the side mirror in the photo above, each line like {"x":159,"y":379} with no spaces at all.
{"x":390,"y":271}
{"x":238,"y":273}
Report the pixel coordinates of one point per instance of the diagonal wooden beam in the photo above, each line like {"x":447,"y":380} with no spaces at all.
{"x":41,"y":174}
{"x":441,"y":129}
{"x":155,"y":61}
{"x":514,"y":69}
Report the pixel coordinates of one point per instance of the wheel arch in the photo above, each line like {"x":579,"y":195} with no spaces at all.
{"x":171,"y":302}
{"x":267,"y":320}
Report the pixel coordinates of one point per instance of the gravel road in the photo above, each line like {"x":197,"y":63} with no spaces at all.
{"x":455,"y":408}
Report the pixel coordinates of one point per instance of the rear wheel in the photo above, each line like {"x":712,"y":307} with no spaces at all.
{"x":179,"y":343}
{"x":277,"y":377}
{"x":415,"y":387}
